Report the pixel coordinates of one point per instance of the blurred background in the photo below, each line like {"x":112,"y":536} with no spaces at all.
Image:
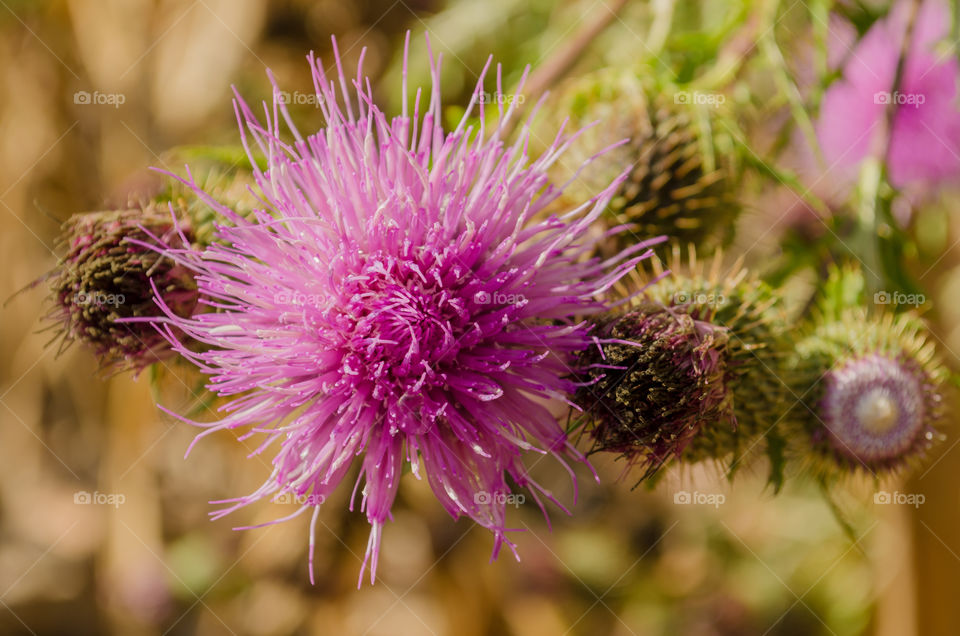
{"x":103,"y":524}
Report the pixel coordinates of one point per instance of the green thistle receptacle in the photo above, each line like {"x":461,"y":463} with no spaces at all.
{"x":876,"y":394}
{"x":746,"y":327}
{"x":224,"y":173}
{"x":106,"y":275}
{"x":676,"y":184}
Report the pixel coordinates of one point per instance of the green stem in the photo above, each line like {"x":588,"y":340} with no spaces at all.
{"x":868,"y":198}
{"x":838,"y":514}
{"x":820,"y":14}
{"x":660,"y":25}
{"x":786,"y":85}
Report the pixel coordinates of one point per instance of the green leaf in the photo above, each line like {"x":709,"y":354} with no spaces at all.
{"x":776,"y":446}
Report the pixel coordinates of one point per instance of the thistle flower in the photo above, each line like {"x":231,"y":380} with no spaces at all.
{"x":396,"y":302}
{"x":752,"y":312}
{"x":879,"y":394}
{"x":925,"y":136}
{"x":110,"y":274}
{"x":696,"y":372}
{"x":673,"y":187}
{"x":655,"y":383}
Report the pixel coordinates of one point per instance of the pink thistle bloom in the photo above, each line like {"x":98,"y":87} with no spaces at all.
{"x":402,"y":297}
{"x":925,"y":136}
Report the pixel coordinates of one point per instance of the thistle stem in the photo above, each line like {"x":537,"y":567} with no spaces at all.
{"x":566,"y":56}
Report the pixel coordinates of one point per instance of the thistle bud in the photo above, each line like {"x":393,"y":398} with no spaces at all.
{"x":106,"y":276}
{"x":877,"y":395}
{"x":655,"y":379}
{"x":675,"y":187}
{"x":112,"y":257}
{"x":696,"y":369}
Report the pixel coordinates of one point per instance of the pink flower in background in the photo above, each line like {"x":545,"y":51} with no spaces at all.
{"x":401,"y":299}
{"x":925,"y":139}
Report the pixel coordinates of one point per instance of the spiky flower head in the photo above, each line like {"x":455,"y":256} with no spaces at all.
{"x":716,"y":338}
{"x":400,"y":301}
{"x":729,"y":296}
{"x":876,"y":392}
{"x":109,"y":275}
{"x":676,"y":185}
{"x":654,"y":382}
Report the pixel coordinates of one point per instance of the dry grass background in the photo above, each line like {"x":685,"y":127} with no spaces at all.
{"x":628,"y":562}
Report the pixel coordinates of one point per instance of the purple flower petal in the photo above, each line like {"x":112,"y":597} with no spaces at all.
{"x":403,"y":296}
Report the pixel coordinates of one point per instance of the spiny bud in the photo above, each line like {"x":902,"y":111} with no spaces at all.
{"x":710,"y":335}
{"x":106,"y":276}
{"x":223,"y":172}
{"x":752,"y":311}
{"x":877,"y":395}
{"x":655,"y":378}
{"x":676,"y":186}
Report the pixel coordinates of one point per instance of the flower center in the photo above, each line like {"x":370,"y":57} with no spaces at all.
{"x":405,"y":317}
{"x":877,"y":412}
{"x":874,"y":408}
{"x":409,"y":326}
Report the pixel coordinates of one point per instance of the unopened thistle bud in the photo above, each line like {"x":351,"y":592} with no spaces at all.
{"x":676,"y":185}
{"x":113,"y":257}
{"x":225,"y":173}
{"x":877,"y":393}
{"x":703,"y":377}
{"x":656,"y":378}
{"x":106,"y":276}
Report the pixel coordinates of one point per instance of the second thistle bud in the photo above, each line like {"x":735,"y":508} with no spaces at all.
{"x":105,"y":277}
{"x":112,"y":258}
{"x":696,"y":370}
{"x":877,"y":396}
{"x":656,"y":379}
{"x":676,"y":186}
